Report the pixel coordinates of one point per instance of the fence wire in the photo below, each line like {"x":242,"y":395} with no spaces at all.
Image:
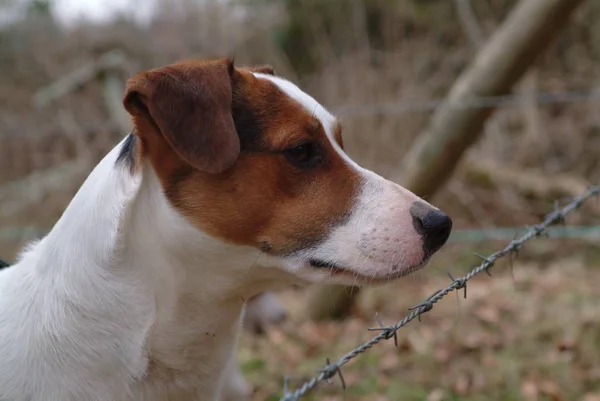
{"x":476,"y":102}
{"x":387,"y":332}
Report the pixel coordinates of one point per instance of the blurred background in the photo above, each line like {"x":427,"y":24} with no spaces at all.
{"x":531,"y":332}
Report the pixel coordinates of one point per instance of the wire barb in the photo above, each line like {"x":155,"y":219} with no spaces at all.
{"x":426,"y":305}
{"x":331,"y":370}
{"x":488,"y":262}
{"x":390,"y":331}
{"x":459,"y":284}
{"x":510,"y":250}
{"x":541,"y":230}
{"x":561,"y":218}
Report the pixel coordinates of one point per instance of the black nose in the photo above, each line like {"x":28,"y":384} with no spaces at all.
{"x":435,"y":227}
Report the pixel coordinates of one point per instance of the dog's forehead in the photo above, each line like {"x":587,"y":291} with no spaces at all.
{"x":305,"y":101}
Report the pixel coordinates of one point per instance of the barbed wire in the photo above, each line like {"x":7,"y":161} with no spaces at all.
{"x":388,"y":332}
{"x":510,"y":100}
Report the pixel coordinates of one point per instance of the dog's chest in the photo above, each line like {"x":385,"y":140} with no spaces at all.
{"x":188,"y":357}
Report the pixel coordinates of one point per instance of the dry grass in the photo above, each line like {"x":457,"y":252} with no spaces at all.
{"x":532,"y":335}
{"x":418,"y":54}
{"x":532,"y":339}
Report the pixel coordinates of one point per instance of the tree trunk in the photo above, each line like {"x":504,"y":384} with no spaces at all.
{"x":453,"y":128}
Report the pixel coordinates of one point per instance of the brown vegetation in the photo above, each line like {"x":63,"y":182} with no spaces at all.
{"x":375,"y":62}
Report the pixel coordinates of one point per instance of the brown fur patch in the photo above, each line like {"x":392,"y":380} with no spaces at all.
{"x":190,"y":104}
{"x":263,"y":200}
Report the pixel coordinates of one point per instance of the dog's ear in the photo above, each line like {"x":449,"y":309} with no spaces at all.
{"x":190,"y":104}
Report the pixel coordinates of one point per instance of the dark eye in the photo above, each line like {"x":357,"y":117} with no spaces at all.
{"x":305,"y":155}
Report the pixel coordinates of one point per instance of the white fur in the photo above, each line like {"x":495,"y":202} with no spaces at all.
{"x":84,"y":308}
{"x":124,"y":300}
{"x":379,"y":241}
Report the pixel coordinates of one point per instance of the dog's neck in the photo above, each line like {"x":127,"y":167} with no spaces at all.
{"x":184,"y":289}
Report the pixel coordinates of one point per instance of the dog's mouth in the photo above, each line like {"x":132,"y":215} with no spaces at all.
{"x":337,"y":270}
{"x":321,"y":264}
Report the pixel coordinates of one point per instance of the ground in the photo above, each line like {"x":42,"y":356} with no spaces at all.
{"x":527,"y":333}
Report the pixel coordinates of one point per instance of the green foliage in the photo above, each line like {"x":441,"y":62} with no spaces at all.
{"x":39,"y":8}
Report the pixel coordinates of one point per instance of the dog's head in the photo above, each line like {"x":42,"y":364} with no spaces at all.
{"x":250,"y":159}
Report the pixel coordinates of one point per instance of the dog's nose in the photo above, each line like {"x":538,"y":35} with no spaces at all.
{"x":434,"y":226}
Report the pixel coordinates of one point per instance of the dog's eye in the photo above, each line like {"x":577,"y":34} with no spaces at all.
{"x":305,"y":155}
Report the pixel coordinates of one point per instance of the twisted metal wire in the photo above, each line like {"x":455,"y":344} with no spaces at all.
{"x":475,"y":102}
{"x":388,"y":332}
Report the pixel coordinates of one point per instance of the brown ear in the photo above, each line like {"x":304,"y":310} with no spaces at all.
{"x":190,"y":104}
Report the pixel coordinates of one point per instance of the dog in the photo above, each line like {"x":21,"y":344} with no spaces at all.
{"x":232,"y":183}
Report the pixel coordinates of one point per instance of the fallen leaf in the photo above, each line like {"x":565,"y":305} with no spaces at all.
{"x":530,"y":390}
{"x":462,"y":385}
{"x":488,"y":315}
{"x":436,"y":395}
{"x":551,"y":389}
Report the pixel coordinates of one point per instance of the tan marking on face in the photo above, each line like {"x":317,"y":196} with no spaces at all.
{"x":263,"y":200}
